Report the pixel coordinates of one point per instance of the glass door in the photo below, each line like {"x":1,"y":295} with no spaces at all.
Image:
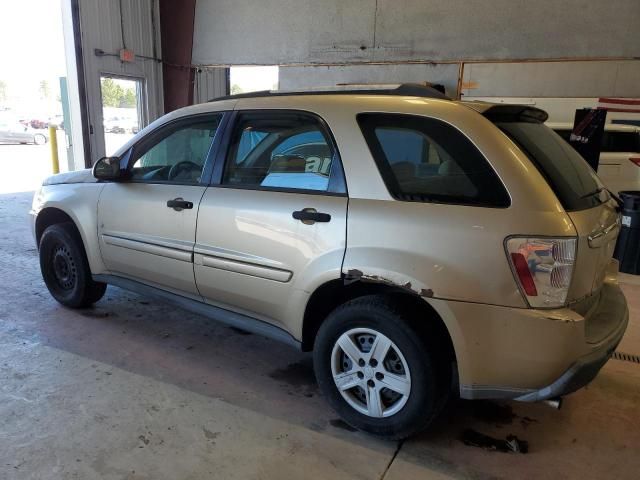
{"x":122,"y":110}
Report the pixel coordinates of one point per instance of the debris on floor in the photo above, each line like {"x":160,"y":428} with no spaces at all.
{"x":511,"y":444}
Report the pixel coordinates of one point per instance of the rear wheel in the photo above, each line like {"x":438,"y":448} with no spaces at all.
{"x":65,"y":268}
{"x":39,"y":139}
{"x":375,"y":370}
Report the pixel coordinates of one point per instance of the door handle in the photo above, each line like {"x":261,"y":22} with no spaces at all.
{"x":309,"y":216}
{"x":179,"y":204}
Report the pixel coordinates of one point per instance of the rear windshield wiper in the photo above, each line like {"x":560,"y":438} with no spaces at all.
{"x":617,"y":199}
{"x":611,"y":194}
{"x":591,"y":194}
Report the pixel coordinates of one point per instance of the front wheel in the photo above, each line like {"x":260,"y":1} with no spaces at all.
{"x":65,"y":268}
{"x":375,"y":370}
{"x":39,"y":139}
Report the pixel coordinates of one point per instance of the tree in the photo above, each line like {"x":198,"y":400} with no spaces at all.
{"x":3,"y":91}
{"x":128,"y":98}
{"x":111,"y":92}
{"x":235,"y":89}
{"x":45,"y":91}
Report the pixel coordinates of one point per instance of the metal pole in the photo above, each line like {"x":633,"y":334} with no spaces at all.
{"x":53,"y":140}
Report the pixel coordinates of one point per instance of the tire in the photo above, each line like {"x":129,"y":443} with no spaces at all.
{"x":39,"y":139}
{"x":385,"y":317}
{"x":65,"y":269}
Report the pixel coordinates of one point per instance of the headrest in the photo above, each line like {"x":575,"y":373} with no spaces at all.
{"x":288,"y":163}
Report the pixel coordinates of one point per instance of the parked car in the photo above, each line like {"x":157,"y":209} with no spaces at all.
{"x":113,"y":125}
{"x":121,"y":125}
{"x":413,"y":243}
{"x":38,"y":124}
{"x":619,"y":166}
{"x":15,"y":132}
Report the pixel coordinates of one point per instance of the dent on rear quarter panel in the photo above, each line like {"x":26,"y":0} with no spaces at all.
{"x":80,"y":202}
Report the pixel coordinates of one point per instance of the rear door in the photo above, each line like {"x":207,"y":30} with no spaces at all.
{"x":276,"y":220}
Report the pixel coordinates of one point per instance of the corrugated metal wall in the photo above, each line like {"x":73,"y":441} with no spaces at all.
{"x":210,"y":83}
{"x":100,"y":23}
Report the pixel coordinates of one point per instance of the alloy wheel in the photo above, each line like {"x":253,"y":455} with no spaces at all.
{"x":370,"y":372}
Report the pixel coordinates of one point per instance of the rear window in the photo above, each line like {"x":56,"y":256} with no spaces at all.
{"x":569,"y":175}
{"x":425,"y":160}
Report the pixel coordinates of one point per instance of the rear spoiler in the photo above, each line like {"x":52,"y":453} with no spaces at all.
{"x":515,"y":113}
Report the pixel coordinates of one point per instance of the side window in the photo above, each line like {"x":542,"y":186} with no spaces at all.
{"x":423,"y":159}
{"x":285,"y":150}
{"x":178,"y":156}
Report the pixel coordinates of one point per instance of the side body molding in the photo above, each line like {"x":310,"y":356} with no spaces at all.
{"x":227,"y":317}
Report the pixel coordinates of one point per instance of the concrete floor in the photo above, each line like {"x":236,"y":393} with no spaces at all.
{"x":133,"y":389}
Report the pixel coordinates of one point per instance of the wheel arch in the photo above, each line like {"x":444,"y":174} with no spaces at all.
{"x":51,"y":216}
{"x":331,"y":294}
{"x":56,"y":214}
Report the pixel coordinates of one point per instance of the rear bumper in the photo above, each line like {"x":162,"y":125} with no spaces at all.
{"x":613,"y":310}
{"x":534,"y":354}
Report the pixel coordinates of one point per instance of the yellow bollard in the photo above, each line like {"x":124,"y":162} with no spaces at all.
{"x":53,"y":140}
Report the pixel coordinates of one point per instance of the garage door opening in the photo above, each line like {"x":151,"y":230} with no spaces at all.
{"x":253,"y":79}
{"x":122,"y":110}
{"x":32,"y":79}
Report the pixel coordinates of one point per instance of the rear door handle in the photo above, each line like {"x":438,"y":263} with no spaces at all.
{"x":309,"y":216}
{"x":179,"y":204}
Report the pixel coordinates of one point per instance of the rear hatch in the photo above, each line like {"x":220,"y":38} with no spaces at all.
{"x":579,"y":190}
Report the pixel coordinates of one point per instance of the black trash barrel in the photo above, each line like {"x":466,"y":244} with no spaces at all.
{"x":628,"y":247}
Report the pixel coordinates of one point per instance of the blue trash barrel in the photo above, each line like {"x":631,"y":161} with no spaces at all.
{"x":628,"y":246}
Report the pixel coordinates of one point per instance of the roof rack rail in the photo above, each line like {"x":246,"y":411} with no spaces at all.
{"x":402,"y":89}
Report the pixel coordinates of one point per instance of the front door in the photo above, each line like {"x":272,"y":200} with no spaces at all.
{"x":147,"y":224}
{"x":276,"y":221}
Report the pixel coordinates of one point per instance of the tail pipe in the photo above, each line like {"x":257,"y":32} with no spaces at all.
{"x":555,"y":403}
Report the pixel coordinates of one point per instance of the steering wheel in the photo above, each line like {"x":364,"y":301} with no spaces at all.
{"x":179,"y":167}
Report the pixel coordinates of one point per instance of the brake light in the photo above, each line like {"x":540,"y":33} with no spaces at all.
{"x":543,"y":268}
{"x":635,"y":160}
{"x":524,"y":274}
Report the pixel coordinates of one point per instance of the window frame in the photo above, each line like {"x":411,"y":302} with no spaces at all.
{"x":337,"y":184}
{"x":388,"y":177}
{"x":151,"y":139}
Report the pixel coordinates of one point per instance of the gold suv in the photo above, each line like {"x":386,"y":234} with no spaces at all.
{"x":413,"y":243}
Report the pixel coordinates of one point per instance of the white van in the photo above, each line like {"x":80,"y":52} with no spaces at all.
{"x":619,"y":166}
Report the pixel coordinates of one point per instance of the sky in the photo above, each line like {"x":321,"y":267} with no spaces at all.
{"x":31,"y":46}
{"x":252,"y":79}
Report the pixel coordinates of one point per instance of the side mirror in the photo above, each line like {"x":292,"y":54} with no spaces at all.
{"x":107,"y":168}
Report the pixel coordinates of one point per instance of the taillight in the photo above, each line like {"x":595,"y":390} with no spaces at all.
{"x":543,"y":268}
{"x":635,"y":160}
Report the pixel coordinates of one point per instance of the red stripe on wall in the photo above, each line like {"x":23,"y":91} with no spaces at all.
{"x":620,"y":101}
